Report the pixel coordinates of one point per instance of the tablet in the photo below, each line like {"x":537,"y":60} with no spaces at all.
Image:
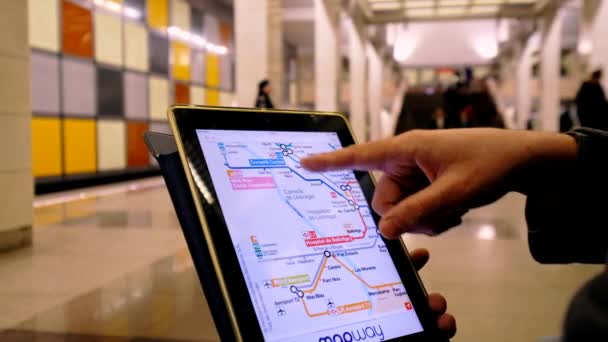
{"x":297,"y":254}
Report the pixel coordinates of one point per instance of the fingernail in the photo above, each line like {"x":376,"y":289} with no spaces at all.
{"x":387,"y":227}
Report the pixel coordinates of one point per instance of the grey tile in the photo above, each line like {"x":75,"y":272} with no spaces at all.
{"x":197,"y":66}
{"x":226,"y":73}
{"x":78,"y":87}
{"x":45,"y":83}
{"x":109,"y":92}
{"x":139,"y":5}
{"x":160,"y":127}
{"x":136,"y":95}
{"x":196,"y":20}
{"x":159,"y":54}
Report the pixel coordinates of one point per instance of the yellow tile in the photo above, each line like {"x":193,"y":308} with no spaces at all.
{"x":213,"y":70}
{"x":181,"y":61}
{"x":136,"y":47}
{"x":46,"y":147}
{"x":43,"y":19}
{"x":180,"y":14}
{"x":79,"y":145}
{"x":108,"y":38}
{"x":158,"y":14}
{"x":212,"y":97}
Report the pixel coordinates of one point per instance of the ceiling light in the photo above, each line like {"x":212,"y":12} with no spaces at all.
{"x":488,"y":2}
{"x":454,"y":2}
{"x":419,"y":4}
{"x":386,"y":6}
{"x":450,"y":11}
{"x":484,"y":10}
{"x":420,"y":12}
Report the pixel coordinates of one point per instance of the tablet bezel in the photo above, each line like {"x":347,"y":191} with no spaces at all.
{"x":185,"y":120}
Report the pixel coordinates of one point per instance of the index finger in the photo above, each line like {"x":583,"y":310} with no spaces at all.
{"x":364,"y":157}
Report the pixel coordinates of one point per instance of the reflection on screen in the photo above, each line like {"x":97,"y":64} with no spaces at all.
{"x":315,"y":266}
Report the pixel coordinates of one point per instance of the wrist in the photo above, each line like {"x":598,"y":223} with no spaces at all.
{"x":549,"y":159}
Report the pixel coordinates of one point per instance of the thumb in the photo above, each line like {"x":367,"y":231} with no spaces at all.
{"x":443,"y":195}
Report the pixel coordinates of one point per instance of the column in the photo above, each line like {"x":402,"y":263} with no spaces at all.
{"x":327,"y":55}
{"x":374,"y":92}
{"x":550,"y":55}
{"x":397,"y":103}
{"x":357,"y":55}
{"x":258,"y":49}
{"x":16,"y":179}
{"x":523,"y":76}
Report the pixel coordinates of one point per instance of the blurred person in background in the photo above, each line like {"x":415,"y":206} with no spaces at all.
{"x":455,"y":100}
{"x":591,"y":103}
{"x":438,"y":121}
{"x":482,"y":110}
{"x":263,"y":101}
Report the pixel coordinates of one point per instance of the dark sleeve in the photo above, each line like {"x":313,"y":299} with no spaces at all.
{"x":587,"y":317}
{"x":570,"y":223}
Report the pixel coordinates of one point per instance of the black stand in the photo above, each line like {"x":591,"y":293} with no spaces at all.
{"x":164,"y":149}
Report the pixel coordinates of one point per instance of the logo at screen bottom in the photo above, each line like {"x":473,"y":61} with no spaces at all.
{"x":359,"y":334}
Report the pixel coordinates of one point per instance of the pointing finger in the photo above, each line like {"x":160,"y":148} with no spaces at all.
{"x":370,"y":156}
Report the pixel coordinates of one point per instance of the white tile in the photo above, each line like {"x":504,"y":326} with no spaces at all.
{"x":16,"y":199}
{"x":15,"y":142}
{"x":43,"y":19}
{"x":111,"y":145}
{"x":158,"y":95}
{"x":136,"y":47}
{"x":14,"y":86}
{"x":226,"y":99}
{"x":108,"y":39}
{"x":13,"y":28}
{"x":197,"y":95}
{"x":180,"y":14}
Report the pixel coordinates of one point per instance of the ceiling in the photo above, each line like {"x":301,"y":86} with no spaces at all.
{"x":425,"y":10}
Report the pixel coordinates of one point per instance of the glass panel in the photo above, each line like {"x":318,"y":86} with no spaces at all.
{"x":109,"y":92}
{"x":46,"y":147}
{"x":45,"y":83}
{"x":77,"y":30}
{"x":111,"y":144}
{"x":79,"y":146}
{"x":78,"y":87}
{"x":138,"y":155}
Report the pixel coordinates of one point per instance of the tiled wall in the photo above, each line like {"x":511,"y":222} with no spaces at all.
{"x":105,"y":71}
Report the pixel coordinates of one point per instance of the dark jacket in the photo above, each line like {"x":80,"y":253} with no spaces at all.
{"x":591,"y":106}
{"x":263,"y":101}
{"x":568,"y":225}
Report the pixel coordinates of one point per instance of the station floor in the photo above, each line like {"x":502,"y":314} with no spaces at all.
{"x":110,"y":264}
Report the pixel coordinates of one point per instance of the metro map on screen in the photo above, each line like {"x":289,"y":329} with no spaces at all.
{"x":315,"y":267}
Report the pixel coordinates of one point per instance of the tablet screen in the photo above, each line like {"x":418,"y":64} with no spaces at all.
{"x":308,"y":247}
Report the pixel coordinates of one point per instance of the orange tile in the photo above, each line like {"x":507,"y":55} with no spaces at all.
{"x":225,"y":33}
{"x":182,"y":93}
{"x":77,"y":30}
{"x":138,"y":155}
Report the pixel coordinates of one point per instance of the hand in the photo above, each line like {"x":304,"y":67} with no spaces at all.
{"x":445,"y":322}
{"x":432,"y":178}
